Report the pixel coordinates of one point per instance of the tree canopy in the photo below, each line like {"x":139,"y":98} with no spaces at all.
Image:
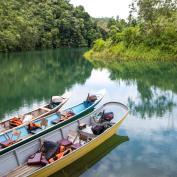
{"x":149,"y":33}
{"x":33,"y":24}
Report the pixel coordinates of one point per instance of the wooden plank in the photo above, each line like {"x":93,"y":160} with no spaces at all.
{"x":23,"y":170}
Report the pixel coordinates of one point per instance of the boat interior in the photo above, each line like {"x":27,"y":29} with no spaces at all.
{"x":11,"y":137}
{"x":57,"y":144}
{"x":18,"y":120}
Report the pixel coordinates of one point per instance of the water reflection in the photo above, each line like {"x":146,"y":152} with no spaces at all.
{"x":149,"y":89}
{"x":157,"y":105}
{"x":90,"y":159}
{"x":34,"y":76}
{"x":155,"y":82}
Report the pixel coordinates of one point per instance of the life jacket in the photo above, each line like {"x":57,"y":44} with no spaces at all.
{"x":15,"y":122}
{"x":69,"y":114}
{"x":59,"y":155}
{"x":33,"y":126}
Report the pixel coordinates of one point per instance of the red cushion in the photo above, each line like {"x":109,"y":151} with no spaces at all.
{"x":76,"y":146}
{"x":35,"y":160}
{"x":6,"y":143}
{"x":65,"y":142}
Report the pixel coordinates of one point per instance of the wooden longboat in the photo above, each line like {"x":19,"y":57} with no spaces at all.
{"x":14,"y":163}
{"x":79,"y":166}
{"x":36,"y":113}
{"x":26,"y":135}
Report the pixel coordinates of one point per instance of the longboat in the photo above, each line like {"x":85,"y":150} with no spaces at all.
{"x":36,"y":128}
{"x":78,"y":167}
{"x":56,"y":102}
{"x":78,"y":138}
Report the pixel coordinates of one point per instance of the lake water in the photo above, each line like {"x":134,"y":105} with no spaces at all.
{"x":146,"y":143}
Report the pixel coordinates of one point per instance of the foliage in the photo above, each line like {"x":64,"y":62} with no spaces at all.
{"x":151,"y":35}
{"x":36,"y":24}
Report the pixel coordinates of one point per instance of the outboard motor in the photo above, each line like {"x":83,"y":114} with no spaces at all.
{"x":91,"y":98}
{"x":55,"y":101}
{"x":98,"y":129}
{"x":108,"y":116}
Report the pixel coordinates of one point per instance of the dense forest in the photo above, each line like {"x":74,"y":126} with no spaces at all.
{"x":150,"y":33}
{"x":35,"y":24}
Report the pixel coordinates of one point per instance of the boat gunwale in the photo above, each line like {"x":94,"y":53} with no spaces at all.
{"x":37,"y":118}
{"x":49,"y":128}
{"x":94,"y":139}
{"x":65,"y":98}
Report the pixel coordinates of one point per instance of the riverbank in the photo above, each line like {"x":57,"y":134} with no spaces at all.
{"x":119,"y":52}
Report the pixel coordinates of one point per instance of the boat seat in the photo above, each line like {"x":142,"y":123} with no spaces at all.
{"x":75,"y":146}
{"x":73,"y":136}
{"x":35,"y":131}
{"x":46,"y":109}
{"x":56,"y":121}
{"x":65,"y":142}
{"x":61,"y":118}
{"x":9,"y":141}
{"x":6,"y":143}
{"x":44,"y":161}
{"x":85,"y":136}
{"x":87,"y":129}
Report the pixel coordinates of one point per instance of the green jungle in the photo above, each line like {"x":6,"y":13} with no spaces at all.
{"x":150,"y":34}
{"x":37,"y":24}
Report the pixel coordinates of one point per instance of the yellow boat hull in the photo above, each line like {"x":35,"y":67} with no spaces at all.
{"x":58,"y":165}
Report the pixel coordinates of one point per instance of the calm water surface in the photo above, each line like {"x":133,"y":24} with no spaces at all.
{"x":146,"y":143}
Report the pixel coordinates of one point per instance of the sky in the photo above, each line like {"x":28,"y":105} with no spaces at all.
{"x":105,"y":8}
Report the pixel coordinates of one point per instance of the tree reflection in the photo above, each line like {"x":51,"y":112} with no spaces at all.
{"x":155,"y":83}
{"x":38,"y":75}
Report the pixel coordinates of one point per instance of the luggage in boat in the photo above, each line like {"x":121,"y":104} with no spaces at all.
{"x":98,"y":129}
{"x":50,"y":149}
{"x":55,"y":101}
{"x":35,"y":159}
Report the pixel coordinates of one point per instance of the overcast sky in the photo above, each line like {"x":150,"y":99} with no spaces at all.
{"x":105,"y":8}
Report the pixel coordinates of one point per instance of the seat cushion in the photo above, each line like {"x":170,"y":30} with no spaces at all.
{"x":35,"y":159}
{"x":56,"y":121}
{"x":75,"y":146}
{"x":6,"y":143}
{"x":44,"y":161}
{"x":65,"y":142}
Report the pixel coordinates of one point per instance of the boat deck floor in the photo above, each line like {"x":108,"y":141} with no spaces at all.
{"x":22,"y":171}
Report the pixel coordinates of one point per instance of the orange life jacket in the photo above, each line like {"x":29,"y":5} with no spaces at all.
{"x":32,"y":126}
{"x":15,"y":121}
{"x":59,"y":155}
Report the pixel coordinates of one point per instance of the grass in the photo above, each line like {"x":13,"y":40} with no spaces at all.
{"x":119,"y":52}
